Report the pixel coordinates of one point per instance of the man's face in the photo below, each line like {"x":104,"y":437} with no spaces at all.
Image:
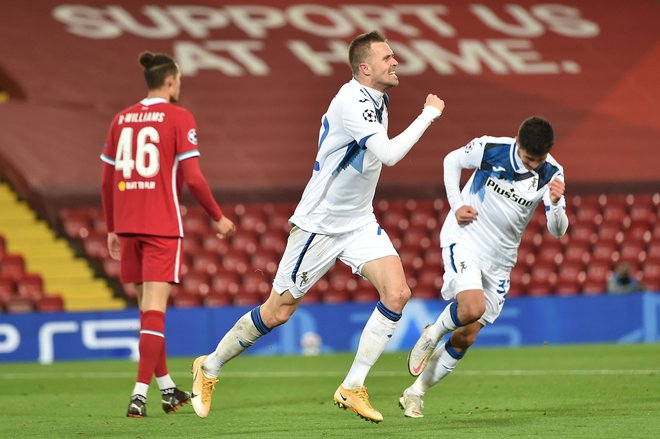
{"x":175,"y":88}
{"x":531,"y":161}
{"x":382,"y":67}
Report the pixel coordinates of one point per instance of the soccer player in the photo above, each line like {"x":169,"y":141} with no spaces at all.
{"x":335,"y":220}
{"x":150,"y":151}
{"x":481,"y":239}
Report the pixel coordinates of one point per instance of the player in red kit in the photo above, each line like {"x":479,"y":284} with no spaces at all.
{"x":150,"y":151}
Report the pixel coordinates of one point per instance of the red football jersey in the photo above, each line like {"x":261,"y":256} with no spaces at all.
{"x":145,"y":144}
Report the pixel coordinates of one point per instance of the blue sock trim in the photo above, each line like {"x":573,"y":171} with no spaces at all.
{"x":452,"y":352}
{"x":387,"y":313}
{"x":256,"y":319}
{"x":453,"y":312}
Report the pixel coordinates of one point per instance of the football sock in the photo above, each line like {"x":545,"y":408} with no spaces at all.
{"x":375,"y":335}
{"x":165,"y":382}
{"x":442,"y":363}
{"x":446,"y":323}
{"x":152,"y":337}
{"x":140,"y":389}
{"x":244,"y":334}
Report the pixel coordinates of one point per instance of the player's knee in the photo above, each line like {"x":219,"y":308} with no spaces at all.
{"x":397,"y":298}
{"x":471,"y":311}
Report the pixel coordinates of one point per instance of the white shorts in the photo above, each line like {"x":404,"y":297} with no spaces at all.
{"x":465,"y":271}
{"x":308,"y":256}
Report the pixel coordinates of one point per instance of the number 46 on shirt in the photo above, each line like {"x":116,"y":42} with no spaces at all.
{"x":146,"y":152}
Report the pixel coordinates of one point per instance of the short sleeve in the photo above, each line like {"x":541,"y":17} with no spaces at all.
{"x":186,"y":135}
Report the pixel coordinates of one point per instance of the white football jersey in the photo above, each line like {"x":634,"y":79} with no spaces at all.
{"x":339,"y":196}
{"x":504,"y":194}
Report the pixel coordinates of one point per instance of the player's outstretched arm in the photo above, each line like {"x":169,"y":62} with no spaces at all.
{"x":391,"y":151}
{"x":226,"y":228}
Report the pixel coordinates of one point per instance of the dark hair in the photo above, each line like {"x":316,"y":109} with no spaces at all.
{"x":360,"y":48}
{"x":536,"y":135}
{"x":157,"y":67}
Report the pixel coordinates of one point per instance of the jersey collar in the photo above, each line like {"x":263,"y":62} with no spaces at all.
{"x":373,"y":94}
{"x":152,"y":101}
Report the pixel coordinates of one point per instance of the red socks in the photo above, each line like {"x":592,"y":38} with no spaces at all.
{"x":152,"y":345}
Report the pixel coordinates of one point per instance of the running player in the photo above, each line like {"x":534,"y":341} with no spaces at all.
{"x":481,"y":239}
{"x":150,"y":151}
{"x":335,"y":220}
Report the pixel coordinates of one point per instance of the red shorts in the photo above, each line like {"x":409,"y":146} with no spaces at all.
{"x":150,"y":258}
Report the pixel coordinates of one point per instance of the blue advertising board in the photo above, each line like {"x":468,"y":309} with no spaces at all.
{"x":45,"y":338}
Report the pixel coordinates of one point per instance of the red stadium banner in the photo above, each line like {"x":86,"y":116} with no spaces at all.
{"x":259,"y":75}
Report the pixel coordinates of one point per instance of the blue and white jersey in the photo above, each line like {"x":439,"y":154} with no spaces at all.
{"x":339,"y":196}
{"x":504,"y":194}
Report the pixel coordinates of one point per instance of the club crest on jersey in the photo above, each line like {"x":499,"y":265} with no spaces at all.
{"x":303,"y":278}
{"x":507,"y":193}
{"x":192,"y":136}
{"x":369,"y":115}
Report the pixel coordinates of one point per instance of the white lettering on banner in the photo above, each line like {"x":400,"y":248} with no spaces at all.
{"x":416,"y":24}
{"x":193,"y":57}
{"x":198,"y":20}
{"x":337,"y":26}
{"x":46,"y":338}
{"x":12,"y":338}
{"x":90,"y":339}
{"x":91,"y":328}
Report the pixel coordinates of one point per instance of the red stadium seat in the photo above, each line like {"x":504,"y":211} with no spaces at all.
{"x":225,"y":283}
{"x":433,"y":257}
{"x":542,"y":274}
{"x":597,"y":272}
{"x":651,"y":272}
{"x":584,"y":233}
{"x":196,"y":221}
{"x":31,"y":286}
{"x":186,"y":300}
{"x":235,"y":262}
{"x":643,"y":215}
{"x":213,"y":243}
{"x":567,"y":288}
{"x":653,"y":252}
{"x":365,"y":296}
{"x":19,"y":305}
{"x":604,"y":252}
{"x":244,"y":242}
{"x":265,"y":260}
{"x":206,"y":262}
{"x":416,"y":236}
{"x":243,"y":299}
{"x":274,"y":240}
{"x":76,"y":223}
{"x":549,"y":252}
{"x":96,"y":245}
{"x":593,"y":287}
{"x":215,"y":299}
{"x":334,"y":296}
{"x":7,"y":287}
{"x":12,"y":266}
{"x":50,"y":303}
{"x":632,"y":252}
{"x":570,"y":274}
{"x":196,"y":283}
{"x":577,"y":253}
{"x":192,"y":243}
{"x":3,"y":246}
{"x":610,"y":232}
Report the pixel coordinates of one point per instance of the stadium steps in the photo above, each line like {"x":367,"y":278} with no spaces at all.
{"x":51,"y":257}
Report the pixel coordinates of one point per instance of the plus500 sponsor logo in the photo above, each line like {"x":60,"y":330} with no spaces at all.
{"x":93,"y":336}
{"x":507,"y":193}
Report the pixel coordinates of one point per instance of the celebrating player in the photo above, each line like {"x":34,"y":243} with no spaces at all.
{"x":335,"y":220}
{"x":480,"y":241}
{"x":151,"y":149}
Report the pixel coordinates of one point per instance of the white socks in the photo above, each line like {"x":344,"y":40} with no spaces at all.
{"x":446,"y":323}
{"x":442,"y":363}
{"x":165,"y":382}
{"x":375,"y":335}
{"x":141,"y":389}
{"x":244,"y":334}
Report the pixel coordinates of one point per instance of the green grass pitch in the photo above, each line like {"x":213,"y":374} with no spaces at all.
{"x":604,"y":391}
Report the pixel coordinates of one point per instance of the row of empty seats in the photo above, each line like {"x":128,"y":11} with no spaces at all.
{"x":604,"y":231}
{"x":21,"y":291}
